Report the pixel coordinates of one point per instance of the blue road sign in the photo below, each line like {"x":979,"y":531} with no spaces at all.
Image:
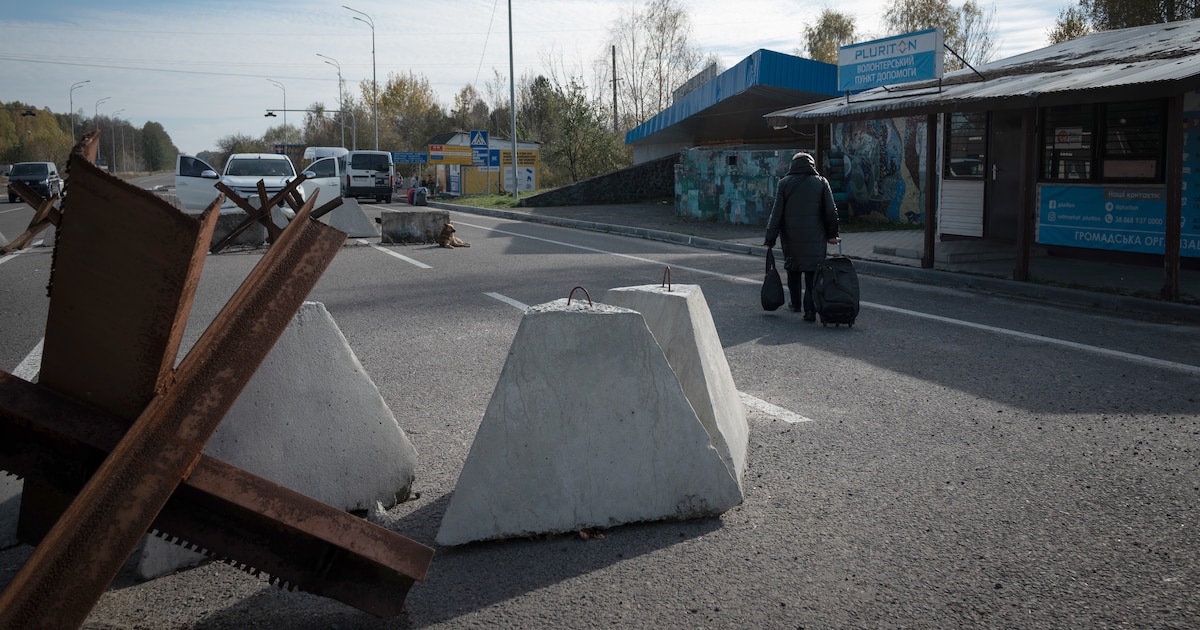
{"x":409,"y":157}
{"x":479,"y":138}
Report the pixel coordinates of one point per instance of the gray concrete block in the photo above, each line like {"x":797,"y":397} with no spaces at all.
{"x":3,"y":241}
{"x":227,"y":221}
{"x":588,"y":427}
{"x":351,"y":219}
{"x":310,"y":419}
{"x":412,"y":226}
{"x":680,"y":320}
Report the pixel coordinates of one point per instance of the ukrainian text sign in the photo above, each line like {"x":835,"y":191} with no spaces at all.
{"x":910,"y":57}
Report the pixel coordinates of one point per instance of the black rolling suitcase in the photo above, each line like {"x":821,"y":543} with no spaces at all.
{"x":835,"y":290}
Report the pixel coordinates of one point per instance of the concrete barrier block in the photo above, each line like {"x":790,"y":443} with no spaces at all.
{"x":3,"y":241}
{"x":680,"y":320}
{"x":228,"y":220}
{"x":588,"y":427}
{"x":351,"y":219}
{"x":310,"y":419}
{"x":412,"y":226}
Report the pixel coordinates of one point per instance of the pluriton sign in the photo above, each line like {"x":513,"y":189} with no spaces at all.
{"x":910,"y":57}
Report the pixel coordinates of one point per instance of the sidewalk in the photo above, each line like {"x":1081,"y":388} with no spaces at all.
{"x":897,"y":254}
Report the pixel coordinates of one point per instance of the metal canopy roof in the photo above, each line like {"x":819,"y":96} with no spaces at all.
{"x":730,"y":107}
{"x":1133,"y":63}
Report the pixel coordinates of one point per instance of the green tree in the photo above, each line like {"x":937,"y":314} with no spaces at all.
{"x":832,"y":31}
{"x":585,"y":145}
{"x":158,"y":151}
{"x":469,"y":111}
{"x":238,"y":143}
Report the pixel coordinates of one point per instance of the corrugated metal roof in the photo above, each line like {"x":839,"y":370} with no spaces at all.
{"x":1141,"y":62}
{"x":762,"y":69}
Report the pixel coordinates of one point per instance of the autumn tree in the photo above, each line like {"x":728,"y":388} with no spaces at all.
{"x":1107,"y":15}
{"x":469,"y":111}
{"x":832,"y":30}
{"x":654,"y":55}
{"x":967,"y":29}
{"x":1072,"y":22}
{"x":409,"y":112}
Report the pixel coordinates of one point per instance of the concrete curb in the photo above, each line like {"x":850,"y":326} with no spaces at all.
{"x":1123,"y":304}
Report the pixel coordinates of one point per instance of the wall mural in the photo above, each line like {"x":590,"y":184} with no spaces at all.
{"x":883,"y":162}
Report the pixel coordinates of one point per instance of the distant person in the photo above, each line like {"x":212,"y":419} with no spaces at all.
{"x":805,"y":215}
{"x":414,"y":181}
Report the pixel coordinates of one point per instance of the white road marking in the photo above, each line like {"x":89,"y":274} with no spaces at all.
{"x":759,"y":404}
{"x":31,"y":365}
{"x":1136,"y":358}
{"x":1117,"y":354}
{"x":509,"y":301}
{"x":11,"y":255}
{"x":415,"y":263}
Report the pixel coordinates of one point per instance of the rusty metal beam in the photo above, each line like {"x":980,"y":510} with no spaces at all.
{"x":220,"y":510}
{"x":46,"y":213}
{"x":261,"y":214}
{"x":69,"y":571}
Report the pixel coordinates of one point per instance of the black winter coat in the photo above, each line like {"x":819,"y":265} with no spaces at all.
{"x":804,"y":214}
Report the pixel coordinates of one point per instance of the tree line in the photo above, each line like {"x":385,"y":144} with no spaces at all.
{"x":32,"y":134}
{"x":580,"y":124}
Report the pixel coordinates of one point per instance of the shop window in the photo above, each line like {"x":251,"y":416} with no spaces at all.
{"x":1067,"y":142}
{"x":965,"y":144}
{"x":1115,"y":142}
{"x":1133,"y":141}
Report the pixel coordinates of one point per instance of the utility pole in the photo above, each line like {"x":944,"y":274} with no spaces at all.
{"x":616,"y":128}
{"x":512,"y":96}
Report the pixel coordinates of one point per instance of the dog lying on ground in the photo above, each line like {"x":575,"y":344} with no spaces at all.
{"x":447,"y":239}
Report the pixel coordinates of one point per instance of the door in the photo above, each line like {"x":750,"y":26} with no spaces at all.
{"x":323,"y":178}
{"x":194,"y":182}
{"x":1002,"y":194}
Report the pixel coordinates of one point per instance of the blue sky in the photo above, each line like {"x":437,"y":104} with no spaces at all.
{"x":204,"y":69}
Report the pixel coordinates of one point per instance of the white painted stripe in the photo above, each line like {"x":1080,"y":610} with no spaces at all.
{"x":509,"y":301}
{"x":1117,"y":354}
{"x":9,"y":256}
{"x":415,"y":263}
{"x":13,"y":210}
{"x":759,"y":404}
{"x":31,"y":365}
{"x":601,"y":251}
{"x":1136,"y":358}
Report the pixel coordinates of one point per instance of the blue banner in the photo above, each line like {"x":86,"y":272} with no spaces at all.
{"x":1129,"y":219}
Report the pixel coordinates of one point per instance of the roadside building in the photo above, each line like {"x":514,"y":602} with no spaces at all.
{"x":481,"y":165}
{"x":1086,"y":148}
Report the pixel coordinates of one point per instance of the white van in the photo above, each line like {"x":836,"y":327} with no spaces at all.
{"x":370,"y":174}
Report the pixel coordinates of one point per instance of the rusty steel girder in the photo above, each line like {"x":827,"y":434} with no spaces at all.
{"x":115,"y":390}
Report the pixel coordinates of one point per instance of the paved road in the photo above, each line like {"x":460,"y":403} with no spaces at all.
{"x":954,"y":460}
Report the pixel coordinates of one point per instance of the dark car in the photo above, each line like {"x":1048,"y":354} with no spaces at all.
{"x":42,"y":177}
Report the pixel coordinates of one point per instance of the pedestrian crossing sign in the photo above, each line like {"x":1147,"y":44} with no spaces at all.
{"x":479,"y":138}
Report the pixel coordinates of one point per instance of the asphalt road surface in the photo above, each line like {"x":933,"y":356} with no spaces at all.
{"x":954,"y":460}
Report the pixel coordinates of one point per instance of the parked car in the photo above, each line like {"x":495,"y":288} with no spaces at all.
{"x":42,"y":177}
{"x":195,"y":179}
{"x":370,"y":174}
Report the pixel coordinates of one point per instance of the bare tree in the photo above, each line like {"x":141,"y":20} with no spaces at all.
{"x":654,"y":55}
{"x":832,"y":31}
{"x":470,"y":111}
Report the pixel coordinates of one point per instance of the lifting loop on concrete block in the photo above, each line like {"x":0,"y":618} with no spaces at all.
{"x":585,"y":292}
{"x":667,"y":278}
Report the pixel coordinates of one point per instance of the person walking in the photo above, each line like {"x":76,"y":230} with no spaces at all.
{"x":804,"y":217}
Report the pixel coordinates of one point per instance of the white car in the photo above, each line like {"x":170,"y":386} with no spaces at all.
{"x":195,"y":179}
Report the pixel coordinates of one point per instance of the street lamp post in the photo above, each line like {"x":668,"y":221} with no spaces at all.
{"x":285,"y":129}
{"x":341,"y":104}
{"x":72,"y":98}
{"x":113,"y":125}
{"x":374,"y":85}
{"x":96,"y":118}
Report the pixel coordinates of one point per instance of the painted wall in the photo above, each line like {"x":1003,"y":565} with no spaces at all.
{"x":731,"y":185}
{"x":884,"y":162}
